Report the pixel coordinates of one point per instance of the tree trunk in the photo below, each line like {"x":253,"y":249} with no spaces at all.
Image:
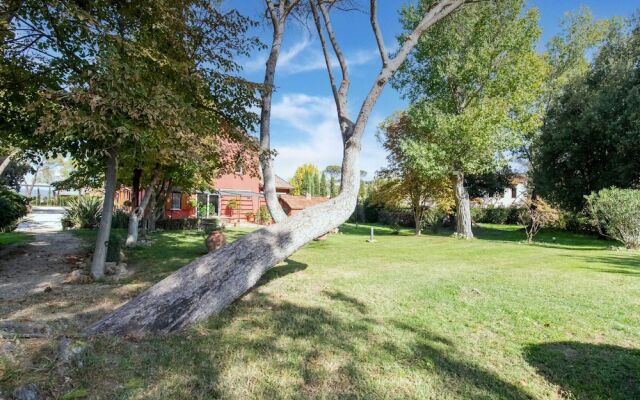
{"x":206,"y":285}
{"x":266,"y":157}
{"x":417,"y":218}
{"x":135,"y":188}
{"x":7,"y":160}
{"x":100,"y":253}
{"x":463,"y":208}
{"x":138,"y":212}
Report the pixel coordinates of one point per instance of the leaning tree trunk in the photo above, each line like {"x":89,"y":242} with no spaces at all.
{"x":206,"y":285}
{"x":100,"y":253}
{"x":463,"y":208}
{"x":7,"y":161}
{"x":138,"y":212}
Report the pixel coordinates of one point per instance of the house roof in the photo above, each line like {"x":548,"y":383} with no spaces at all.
{"x":301,"y":202}
{"x":280,"y":183}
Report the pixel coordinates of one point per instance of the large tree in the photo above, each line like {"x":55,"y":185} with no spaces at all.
{"x":140,"y":77}
{"x":206,"y":285}
{"x":403,"y":182}
{"x":473,"y":83}
{"x":591,"y":136}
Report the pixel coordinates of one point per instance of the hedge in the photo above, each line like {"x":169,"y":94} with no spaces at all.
{"x":13,"y":206}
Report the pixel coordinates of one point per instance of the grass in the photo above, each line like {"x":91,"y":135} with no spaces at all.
{"x":428,"y":317}
{"x":11,"y":238}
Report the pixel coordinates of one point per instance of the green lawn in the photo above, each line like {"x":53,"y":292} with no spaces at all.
{"x":429,"y":317}
{"x":10,"y":238}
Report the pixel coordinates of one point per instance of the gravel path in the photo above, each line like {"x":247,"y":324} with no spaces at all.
{"x":43,"y":263}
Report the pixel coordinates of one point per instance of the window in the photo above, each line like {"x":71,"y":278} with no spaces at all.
{"x":176,"y":201}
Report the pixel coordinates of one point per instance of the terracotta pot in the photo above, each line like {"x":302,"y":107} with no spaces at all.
{"x":215,"y":240}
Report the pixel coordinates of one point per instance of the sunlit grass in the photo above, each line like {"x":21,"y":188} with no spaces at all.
{"x":404,"y":317}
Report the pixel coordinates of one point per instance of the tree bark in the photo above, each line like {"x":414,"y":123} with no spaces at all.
{"x":208,"y":284}
{"x":7,"y":160}
{"x":138,"y":212}
{"x":463,"y":208}
{"x":100,"y":252}
{"x":278,"y":20}
{"x":135,"y":188}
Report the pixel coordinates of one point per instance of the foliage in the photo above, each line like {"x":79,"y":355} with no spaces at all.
{"x":403,"y":182}
{"x":178,"y":224}
{"x":264,"y":217}
{"x":334,"y":171}
{"x":120,"y":219}
{"x":489,"y":183}
{"x":304,"y":180}
{"x":537,"y":215}
{"x":473,"y":83}
{"x":13,"y":206}
{"x":83,"y":212}
{"x":14,"y":174}
{"x":591,"y":136}
{"x":114,"y":248}
{"x":333,"y":188}
{"x":496,"y":215}
{"x":616,"y":213}
{"x":324,"y":189}
{"x":434,"y":217}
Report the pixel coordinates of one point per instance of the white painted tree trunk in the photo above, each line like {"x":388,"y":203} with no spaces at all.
{"x":138,"y":212}
{"x":208,"y":284}
{"x":463,"y":208}
{"x":100,"y":252}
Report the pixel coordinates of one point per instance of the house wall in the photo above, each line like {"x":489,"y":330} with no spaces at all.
{"x":238,"y":182}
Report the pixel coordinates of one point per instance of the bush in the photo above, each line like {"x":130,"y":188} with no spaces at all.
{"x":616,"y":213}
{"x":575,"y":222}
{"x":537,"y":215}
{"x":114,"y":246}
{"x":13,"y":206}
{"x":178,"y":224}
{"x":434,"y":218}
{"x":264,"y":217}
{"x":120,"y":220}
{"x":496,"y":215}
{"x":396,"y":217}
{"x":83,"y":212}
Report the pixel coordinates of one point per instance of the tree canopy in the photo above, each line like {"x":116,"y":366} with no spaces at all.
{"x":591,"y":136}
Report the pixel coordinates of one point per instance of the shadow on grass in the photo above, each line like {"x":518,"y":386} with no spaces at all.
{"x":290,"y":266}
{"x":622,"y":264}
{"x":546,"y":238}
{"x":263,"y":347}
{"x":588,"y":371}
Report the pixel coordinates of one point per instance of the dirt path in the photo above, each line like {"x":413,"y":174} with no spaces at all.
{"x":39,"y":265}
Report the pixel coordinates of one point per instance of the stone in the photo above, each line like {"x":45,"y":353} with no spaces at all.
{"x":215,"y":240}
{"x":78,"y":276}
{"x":11,"y":329}
{"x":28,"y":391}
{"x":110,"y":268}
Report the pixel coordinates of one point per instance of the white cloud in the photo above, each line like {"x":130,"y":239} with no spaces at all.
{"x":301,"y":58}
{"x":305,"y":130}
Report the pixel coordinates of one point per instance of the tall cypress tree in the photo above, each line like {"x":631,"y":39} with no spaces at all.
{"x":323,"y":185}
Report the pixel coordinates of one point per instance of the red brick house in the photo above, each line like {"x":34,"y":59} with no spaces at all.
{"x":235,"y":196}
{"x":294,"y":204}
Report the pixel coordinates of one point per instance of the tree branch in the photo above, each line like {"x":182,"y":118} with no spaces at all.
{"x":376,"y":31}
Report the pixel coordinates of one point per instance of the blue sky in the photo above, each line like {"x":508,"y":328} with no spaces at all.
{"x":304,"y":125}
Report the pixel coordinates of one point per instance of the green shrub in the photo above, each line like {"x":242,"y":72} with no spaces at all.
{"x":496,"y":215}
{"x":616,"y":213}
{"x":178,"y":224}
{"x":264,"y":217}
{"x":114,"y":246}
{"x":83,"y":212}
{"x":120,"y":220}
{"x":13,"y":206}
{"x":433,"y":218}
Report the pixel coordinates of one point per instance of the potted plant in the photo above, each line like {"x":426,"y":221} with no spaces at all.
{"x":263,"y":215}
{"x":251,"y":217}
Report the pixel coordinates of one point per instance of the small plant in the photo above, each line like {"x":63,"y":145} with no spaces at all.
{"x":83,"y":212}
{"x":537,"y":215}
{"x":251,"y":216}
{"x":616,"y":214}
{"x":264,"y":217}
{"x":234,"y":205}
